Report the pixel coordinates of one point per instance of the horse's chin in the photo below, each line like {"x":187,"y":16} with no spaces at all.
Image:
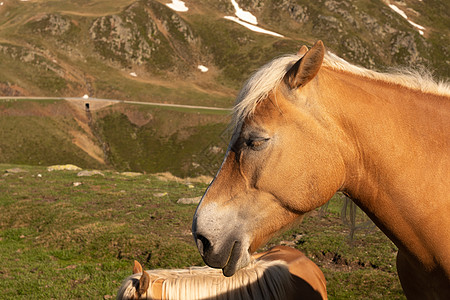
{"x":239,"y":258}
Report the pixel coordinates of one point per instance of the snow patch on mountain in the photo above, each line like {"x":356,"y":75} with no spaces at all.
{"x":244,"y":15}
{"x":403,"y":14}
{"x":248,"y":20}
{"x":203,"y":68}
{"x":253,"y":27}
{"x":178,"y":5}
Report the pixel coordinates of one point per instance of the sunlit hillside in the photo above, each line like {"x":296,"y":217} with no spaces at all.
{"x":185,"y":52}
{"x":201,"y":53}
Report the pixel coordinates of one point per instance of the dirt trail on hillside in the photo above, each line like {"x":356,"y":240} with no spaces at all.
{"x":85,"y":139}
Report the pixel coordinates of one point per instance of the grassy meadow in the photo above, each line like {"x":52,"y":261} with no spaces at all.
{"x":69,"y":237}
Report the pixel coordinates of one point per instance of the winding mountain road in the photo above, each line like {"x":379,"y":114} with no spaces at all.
{"x":111,"y":101}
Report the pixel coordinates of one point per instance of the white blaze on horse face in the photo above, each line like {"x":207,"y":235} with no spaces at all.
{"x":218,"y":229}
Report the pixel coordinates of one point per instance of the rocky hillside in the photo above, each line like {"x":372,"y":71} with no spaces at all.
{"x":146,"y":51}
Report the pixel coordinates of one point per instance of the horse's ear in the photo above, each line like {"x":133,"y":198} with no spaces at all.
{"x":144,"y":283}
{"x":137,"y":268}
{"x":307,"y":67}
{"x":302,"y":51}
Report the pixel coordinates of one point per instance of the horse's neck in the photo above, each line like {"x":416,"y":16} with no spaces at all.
{"x":398,"y":165}
{"x":396,"y":128}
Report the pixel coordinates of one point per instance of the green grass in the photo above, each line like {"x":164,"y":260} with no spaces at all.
{"x":63,"y":241}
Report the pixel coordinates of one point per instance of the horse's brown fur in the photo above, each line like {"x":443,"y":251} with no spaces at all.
{"x":309,"y":281}
{"x":383,"y":140}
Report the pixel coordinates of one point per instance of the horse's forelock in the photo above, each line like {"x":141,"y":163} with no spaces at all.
{"x":259,"y":85}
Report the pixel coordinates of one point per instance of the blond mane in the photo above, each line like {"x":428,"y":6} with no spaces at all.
{"x":264,"y":80}
{"x":260,"y":280}
{"x":259,"y":85}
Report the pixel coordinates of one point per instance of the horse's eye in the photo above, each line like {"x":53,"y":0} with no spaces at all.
{"x":256,"y":143}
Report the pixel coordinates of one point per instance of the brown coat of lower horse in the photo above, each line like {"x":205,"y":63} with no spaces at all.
{"x":312,"y":124}
{"x":301,"y":279}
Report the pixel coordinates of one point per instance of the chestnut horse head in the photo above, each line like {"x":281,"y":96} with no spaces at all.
{"x":311,"y":124}
{"x":281,"y":163}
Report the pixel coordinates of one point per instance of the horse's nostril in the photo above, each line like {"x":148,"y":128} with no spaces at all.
{"x":203,"y":244}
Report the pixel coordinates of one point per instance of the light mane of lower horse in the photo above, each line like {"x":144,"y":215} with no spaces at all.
{"x":310,"y":125}
{"x":281,"y":273}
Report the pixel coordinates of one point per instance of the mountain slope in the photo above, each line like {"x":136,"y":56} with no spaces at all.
{"x":119,"y":136}
{"x":145,"y":51}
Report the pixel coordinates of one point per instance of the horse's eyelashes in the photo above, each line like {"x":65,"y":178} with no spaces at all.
{"x":256,"y":143}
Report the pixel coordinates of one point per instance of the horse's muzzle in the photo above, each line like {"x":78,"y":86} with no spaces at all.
{"x":214,"y":256}
{"x":220,"y":238}
{"x":228,"y":255}
{"x":228,"y":258}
